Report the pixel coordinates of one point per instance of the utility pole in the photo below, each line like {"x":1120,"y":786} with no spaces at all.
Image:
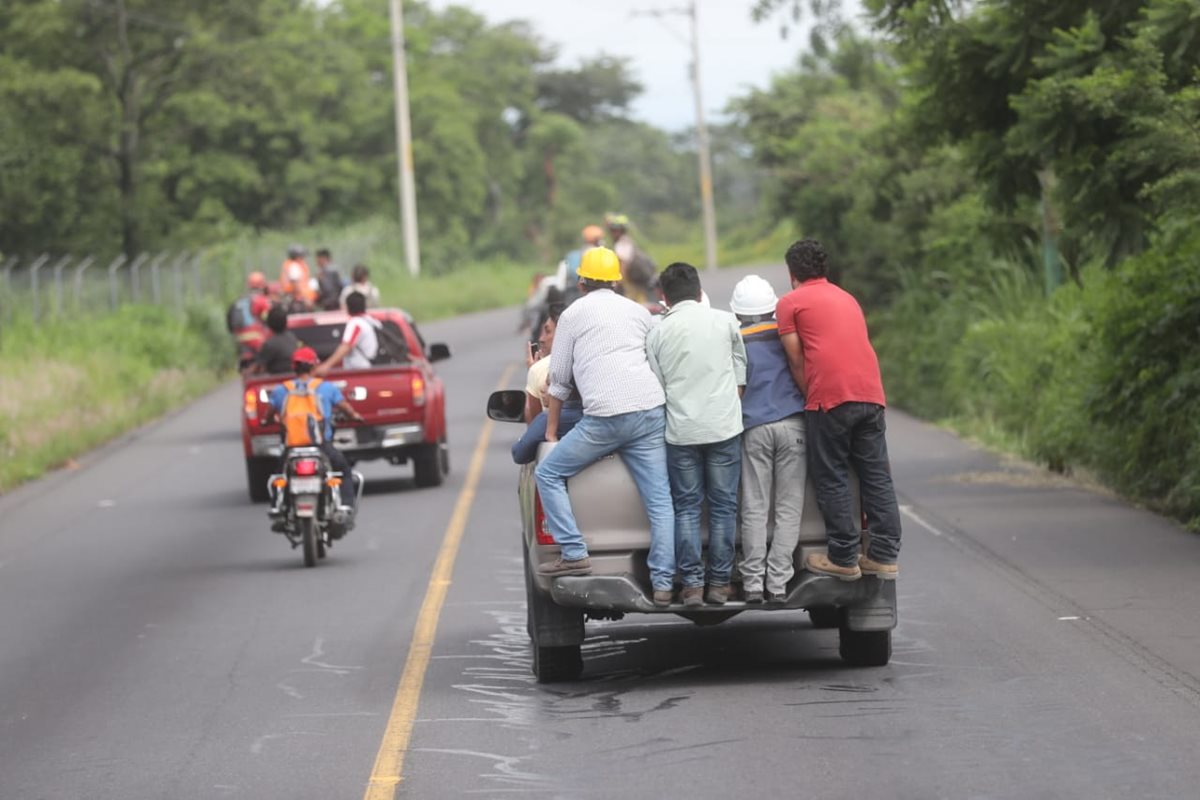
{"x":702,"y":142}
{"x":407,"y":186}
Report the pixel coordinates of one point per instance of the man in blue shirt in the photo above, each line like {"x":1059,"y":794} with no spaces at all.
{"x":329,"y":397}
{"x":773,"y":446}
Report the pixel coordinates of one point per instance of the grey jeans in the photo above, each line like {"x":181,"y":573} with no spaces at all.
{"x":773,"y":474}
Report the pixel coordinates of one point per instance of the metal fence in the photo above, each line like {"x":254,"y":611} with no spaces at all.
{"x":48,"y":286}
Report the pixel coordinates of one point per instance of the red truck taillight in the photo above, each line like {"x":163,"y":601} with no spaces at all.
{"x":250,"y":402}
{"x":418,"y":390}
{"x":540,"y":531}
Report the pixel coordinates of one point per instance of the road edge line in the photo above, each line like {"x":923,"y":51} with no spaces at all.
{"x":389,"y":761}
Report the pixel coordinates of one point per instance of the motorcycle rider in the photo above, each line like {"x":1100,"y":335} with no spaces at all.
{"x":329,"y":397}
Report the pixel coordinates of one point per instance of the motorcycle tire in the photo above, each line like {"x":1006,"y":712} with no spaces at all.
{"x":308,"y":536}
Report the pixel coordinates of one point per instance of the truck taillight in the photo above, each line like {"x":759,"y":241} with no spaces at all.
{"x":305,"y":467}
{"x":418,"y":390}
{"x":251,"y":404}
{"x":540,"y":531}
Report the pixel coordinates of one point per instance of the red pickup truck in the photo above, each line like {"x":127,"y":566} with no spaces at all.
{"x":402,"y":399}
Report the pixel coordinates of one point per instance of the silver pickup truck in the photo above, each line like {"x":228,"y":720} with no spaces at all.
{"x":617,"y":531}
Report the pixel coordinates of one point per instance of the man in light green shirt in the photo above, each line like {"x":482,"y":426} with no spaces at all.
{"x":699,"y":357}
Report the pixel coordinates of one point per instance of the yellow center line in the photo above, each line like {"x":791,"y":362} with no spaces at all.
{"x":389,"y":761}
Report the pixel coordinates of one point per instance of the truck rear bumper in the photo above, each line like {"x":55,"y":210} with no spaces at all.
{"x":361,"y":443}
{"x":870,"y":603}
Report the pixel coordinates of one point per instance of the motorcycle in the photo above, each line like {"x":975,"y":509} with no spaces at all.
{"x":307,"y":502}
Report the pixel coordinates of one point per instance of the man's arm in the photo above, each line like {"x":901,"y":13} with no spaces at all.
{"x":739,"y":356}
{"x":652,"y":355}
{"x":344,"y":406}
{"x":552,"y":416}
{"x":325,"y":366}
{"x":795,"y":357}
{"x":562,"y":362}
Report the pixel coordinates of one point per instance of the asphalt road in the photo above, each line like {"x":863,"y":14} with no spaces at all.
{"x":156,"y":640}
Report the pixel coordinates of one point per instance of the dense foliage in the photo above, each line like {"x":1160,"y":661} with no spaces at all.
{"x":127,"y":125}
{"x":963,"y":158}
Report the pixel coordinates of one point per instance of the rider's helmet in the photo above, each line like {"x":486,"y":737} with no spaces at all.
{"x":296,"y":251}
{"x":256,"y":280}
{"x":593,"y":235}
{"x":752,"y":297}
{"x":616,"y":222}
{"x":305,"y":355}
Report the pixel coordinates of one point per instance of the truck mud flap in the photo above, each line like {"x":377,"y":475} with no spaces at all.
{"x":877,"y":612}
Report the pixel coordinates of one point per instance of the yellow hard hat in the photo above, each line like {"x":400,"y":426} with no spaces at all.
{"x":600,"y":264}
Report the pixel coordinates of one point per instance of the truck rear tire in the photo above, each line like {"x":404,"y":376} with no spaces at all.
{"x":554,"y":664}
{"x":865,"y":648}
{"x":825,"y":617}
{"x":429,"y":466}
{"x":258,"y":472}
{"x":544,"y":619}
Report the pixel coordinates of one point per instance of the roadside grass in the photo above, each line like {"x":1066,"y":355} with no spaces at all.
{"x":66,"y":387}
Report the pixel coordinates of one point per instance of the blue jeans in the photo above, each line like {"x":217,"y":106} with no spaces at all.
{"x":699,"y":472}
{"x":638,"y":438}
{"x":854,"y":434}
{"x":524,"y":450}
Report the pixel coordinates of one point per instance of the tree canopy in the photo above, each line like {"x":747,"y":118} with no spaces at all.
{"x":134,"y":124}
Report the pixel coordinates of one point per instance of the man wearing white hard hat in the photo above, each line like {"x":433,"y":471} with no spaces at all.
{"x":773,"y":447}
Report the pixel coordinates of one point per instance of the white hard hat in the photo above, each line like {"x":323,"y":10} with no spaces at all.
{"x":753,"y":296}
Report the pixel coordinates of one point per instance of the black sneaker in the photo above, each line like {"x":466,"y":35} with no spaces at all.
{"x":754,"y":597}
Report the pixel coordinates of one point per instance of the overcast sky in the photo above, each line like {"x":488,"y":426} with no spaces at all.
{"x":735,"y":53}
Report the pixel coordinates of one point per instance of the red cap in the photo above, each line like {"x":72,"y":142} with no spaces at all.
{"x":304,"y":355}
{"x":259,"y":305}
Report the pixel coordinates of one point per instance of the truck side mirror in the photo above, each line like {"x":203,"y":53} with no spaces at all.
{"x":438,"y":352}
{"x":507,"y":405}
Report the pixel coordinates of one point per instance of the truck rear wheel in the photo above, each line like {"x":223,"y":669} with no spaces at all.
{"x":554,"y":664}
{"x":825,"y":617}
{"x":429,"y":465}
{"x":258,"y":472}
{"x":548,"y":621}
{"x":865,"y":648}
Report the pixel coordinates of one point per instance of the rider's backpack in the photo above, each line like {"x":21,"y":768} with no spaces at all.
{"x":641,"y":269}
{"x":302,"y":420}
{"x":393,"y":349}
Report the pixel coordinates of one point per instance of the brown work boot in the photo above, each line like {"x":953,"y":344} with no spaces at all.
{"x":692,"y":596}
{"x":887,"y":572}
{"x":560,"y":567}
{"x":820,"y":564}
{"x":717,"y":595}
{"x":662,"y":597}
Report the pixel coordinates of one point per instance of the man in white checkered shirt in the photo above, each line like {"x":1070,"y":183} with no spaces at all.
{"x":600,"y":350}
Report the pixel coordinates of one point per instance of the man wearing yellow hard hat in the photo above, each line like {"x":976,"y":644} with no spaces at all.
{"x":600,"y":350}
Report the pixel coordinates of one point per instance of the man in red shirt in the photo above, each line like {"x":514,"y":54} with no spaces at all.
{"x":824,"y":335}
